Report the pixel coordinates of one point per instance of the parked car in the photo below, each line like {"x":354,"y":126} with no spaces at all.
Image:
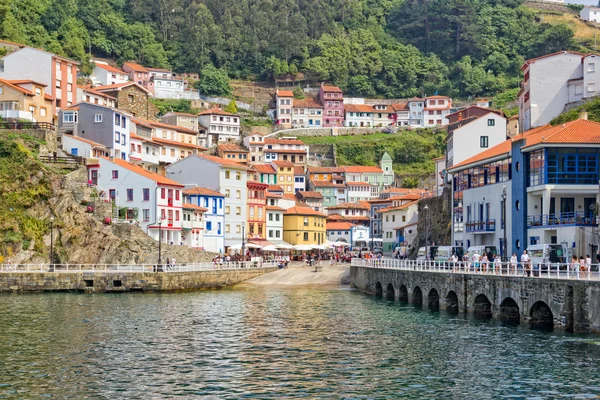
{"x":421,"y":255}
{"x":543,"y":256}
{"x":443,"y":254}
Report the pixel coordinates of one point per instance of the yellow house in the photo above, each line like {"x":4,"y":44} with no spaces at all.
{"x":285,"y":175}
{"x":303,"y":225}
{"x":25,"y":99}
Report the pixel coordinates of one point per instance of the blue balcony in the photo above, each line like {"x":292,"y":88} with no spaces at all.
{"x":489,"y":225}
{"x":576,"y":218}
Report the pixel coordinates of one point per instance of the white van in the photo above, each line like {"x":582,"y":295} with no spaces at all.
{"x":482,"y":249}
{"x":421,"y":255}
{"x":547,"y":254}
{"x":444,"y":253}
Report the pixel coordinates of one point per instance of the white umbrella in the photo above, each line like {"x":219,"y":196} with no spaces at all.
{"x":303,"y":247}
{"x":253,"y":246}
{"x":235,"y":247}
{"x":341,"y":244}
{"x":285,"y":246}
{"x":270,"y":248}
{"x":321,"y":247}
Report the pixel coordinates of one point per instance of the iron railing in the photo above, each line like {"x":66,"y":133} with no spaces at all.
{"x":577,"y":218}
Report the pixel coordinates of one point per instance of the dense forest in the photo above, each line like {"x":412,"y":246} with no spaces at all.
{"x":393,"y":48}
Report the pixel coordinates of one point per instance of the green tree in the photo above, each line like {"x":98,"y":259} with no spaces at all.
{"x":410,"y":182}
{"x":214,"y":82}
{"x":299,"y":93}
{"x":232,"y":107}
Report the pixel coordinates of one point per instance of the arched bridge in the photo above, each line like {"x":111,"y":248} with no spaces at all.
{"x":541,"y":302}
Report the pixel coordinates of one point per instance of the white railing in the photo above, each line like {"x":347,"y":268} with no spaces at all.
{"x":541,"y":270}
{"x":124,"y":268}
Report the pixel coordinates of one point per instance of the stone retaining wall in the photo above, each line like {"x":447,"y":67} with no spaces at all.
{"x":125,"y":281}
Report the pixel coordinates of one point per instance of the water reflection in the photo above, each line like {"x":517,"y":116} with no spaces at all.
{"x":277,"y":343}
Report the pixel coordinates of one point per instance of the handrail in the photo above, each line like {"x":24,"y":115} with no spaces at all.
{"x":63,"y":160}
{"x":516,"y":269}
{"x":488,"y":225}
{"x":566,"y":218}
{"x":27,"y":125}
{"x":139,"y":268}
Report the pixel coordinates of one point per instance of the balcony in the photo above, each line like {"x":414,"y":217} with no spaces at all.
{"x":576,"y":218}
{"x":17,"y":114}
{"x":489,"y":225}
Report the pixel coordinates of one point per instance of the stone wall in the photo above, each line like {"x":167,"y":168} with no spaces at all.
{"x":342,"y":131}
{"x":141,"y":106}
{"x":125,"y":281}
{"x":574,"y":304}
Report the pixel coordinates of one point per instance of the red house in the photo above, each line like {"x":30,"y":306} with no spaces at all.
{"x":332,"y":99}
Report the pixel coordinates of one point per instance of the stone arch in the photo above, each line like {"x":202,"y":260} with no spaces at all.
{"x":378,"y":290}
{"x":541,"y":316}
{"x":452,"y":302}
{"x":509,"y":312}
{"x":403,"y":294}
{"x":417,"y":296}
{"x":482,"y":308}
{"x":433,"y":300}
{"x":390,"y":293}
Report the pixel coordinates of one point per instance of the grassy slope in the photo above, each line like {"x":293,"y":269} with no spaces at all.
{"x":412,"y":151}
{"x":23,"y":183}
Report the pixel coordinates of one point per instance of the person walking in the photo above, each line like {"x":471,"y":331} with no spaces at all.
{"x":476,"y":259}
{"x":525,"y":262}
{"x":513,"y":263}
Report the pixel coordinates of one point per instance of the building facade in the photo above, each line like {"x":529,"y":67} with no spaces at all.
{"x":25,"y":99}
{"x":304,"y":226}
{"x":332,"y":99}
{"x":214,"y":216}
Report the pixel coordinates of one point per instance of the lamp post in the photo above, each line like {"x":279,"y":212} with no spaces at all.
{"x":426,"y":209}
{"x":243,"y":242}
{"x":504,"y":246}
{"x":159,"y":266}
{"x":51,"y":244}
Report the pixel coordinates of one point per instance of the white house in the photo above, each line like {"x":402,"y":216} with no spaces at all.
{"x":192,"y":234}
{"x":358,"y":115}
{"x":104,"y":74}
{"x":416,"y":108}
{"x":549,"y":83}
{"x":274,"y":218}
{"x":307,"y":113}
{"x":81,"y":147}
{"x":224,"y":176}
{"x":216,"y":125}
{"x":402,"y":114}
{"x":284,"y":101}
{"x":436,"y":110}
{"x":590,"y":13}
{"x":471,"y":136}
{"x":255,"y":143}
{"x":142,"y":197}
{"x":89,"y":95}
{"x":214,"y":217}
{"x":395,"y":220}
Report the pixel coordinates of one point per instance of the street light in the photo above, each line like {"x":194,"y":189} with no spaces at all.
{"x":426,"y":209}
{"x":51,"y":244}
{"x":159,"y":266}
{"x":504,"y":247}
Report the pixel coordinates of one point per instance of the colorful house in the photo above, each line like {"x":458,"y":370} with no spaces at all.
{"x":25,"y":99}
{"x":285,"y":175}
{"x":303,"y":225}
{"x":214,"y":216}
{"x":257,"y":216}
{"x":332,"y":99}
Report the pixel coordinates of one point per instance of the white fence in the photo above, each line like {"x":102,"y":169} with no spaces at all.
{"x":125,"y":268}
{"x":530,"y":270}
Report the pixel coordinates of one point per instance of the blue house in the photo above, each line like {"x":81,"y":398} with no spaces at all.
{"x":214,"y":235}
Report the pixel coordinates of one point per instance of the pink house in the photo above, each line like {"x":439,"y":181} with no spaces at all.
{"x":332,"y":99}
{"x":139,"y":75}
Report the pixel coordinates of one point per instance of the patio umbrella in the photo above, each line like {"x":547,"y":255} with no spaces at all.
{"x":285,"y":246}
{"x":303,"y":247}
{"x":270,"y":248}
{"x":253,"y":246}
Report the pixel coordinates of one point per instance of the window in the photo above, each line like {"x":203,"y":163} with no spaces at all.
{"x":491,"y":122}
{"x":162,"y":193}
{"x":238,"y":211}
{"x":227,"y":210}
{"x":146,"y":215}
{"x":98,"y":118}
{"x":117,"y":120}
{"x":305,"y":221}
{"x":42,"y":111}
{"x":578,"y":89}
{"x":176,"y":215}
{"x":227,"y":174}
{"x":305,"y":236}
{"x":209,"y":225}
{"x":591,"y":87}
{"x":146,"y":194}
{"x":483,"y":141}
{"x":38,"y":91}
{"x":130,"y":98}
{"x":115,"y":174}
{"x":226,"y":192}
{"x":276,"y":217}
{"x":129,"y":194}
{"x":238,"y":194}
{"x":112,"y":193}
{"x":591,"y":67}
{"x":69,"y":117}
{"x":238,"y":176}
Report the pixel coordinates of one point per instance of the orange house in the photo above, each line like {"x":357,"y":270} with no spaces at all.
{"x":257,"y":216}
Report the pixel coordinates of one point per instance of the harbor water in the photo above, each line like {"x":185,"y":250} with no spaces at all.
{"x":265,"y":342}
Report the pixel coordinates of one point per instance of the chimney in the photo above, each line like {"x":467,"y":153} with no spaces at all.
{"x":583,"y":114}
{"x":460,"y":116}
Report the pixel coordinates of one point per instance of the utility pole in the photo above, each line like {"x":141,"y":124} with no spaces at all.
{"x":426,"y":209}
{"x":504,"y":244}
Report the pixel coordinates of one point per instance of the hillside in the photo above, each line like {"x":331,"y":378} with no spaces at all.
{"x":388,"y":48}
{"x":32,"y":192}
{"x":412,"y":151}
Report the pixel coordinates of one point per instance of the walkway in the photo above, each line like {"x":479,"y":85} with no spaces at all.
{"x":298,"y":275}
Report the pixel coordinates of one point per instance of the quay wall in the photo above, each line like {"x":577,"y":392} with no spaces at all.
{"x":125,"y":281}
{"x":574,"y":304}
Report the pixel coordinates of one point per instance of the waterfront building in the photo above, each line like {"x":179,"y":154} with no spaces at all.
{"x":274,"y":218}
{"x":303,"y":225}
{"x":357,"y":213}
{"x":214,"y":216}
{"x":225,"y":176}
{"x":257,"y":215}
{"x":550,"y":177}
{"x":142,"y":197}
{"x":399,"y":222}
{"x":192,"y":226}
{"x":385,"y":200}
{"x":357,"y":236}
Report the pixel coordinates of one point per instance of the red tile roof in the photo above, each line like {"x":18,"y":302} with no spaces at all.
{"x":275,"y":188}
{"x":360,"y":205}
{"x":274,"y":208}
{"x":283,"y":164}
{"x":339,"y":226}
{"x":202,"y":192}
{"x":215,"y":111}
{"x":92,"y":91}
{"x":142,"y":172}
{"x":325,"y":170}
{"x":256,"y":133}
{"x":21,"y":81}
{"x":309,"y":195}
{"x":222,"y":161}
{"x":264,"y":168}
{"x":331,"y":88}
{"x":298,"y":170}
{"x":232,"y":147}
{"x":400,"y":106}
{"x":135,"y":66}
{"x":437,"y":97}
{"x":533,"y":60}
{"x":15,"y":87}
{"x":169,"y":126}
{"x":188,"y":206}
{"x":362,"y":169}
{"x":362,"y":108}
{"x":580,"y":131}
{"x":358,"y":183}
{"x":286,"y":151}
{"x":465,"y":111}
{"x":176,"y":143}
{"x":309,"y":102}
{"x":145,"y":139}
{"x":111,"y":68}
{"x":303,"y":211}
{"x":284,"y":93}
{"x":401,"y":207}
{"x":181,"y":114}
{"x":119,"y":86}
{"x":316,"y":183}
{"x":283,"y":141}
